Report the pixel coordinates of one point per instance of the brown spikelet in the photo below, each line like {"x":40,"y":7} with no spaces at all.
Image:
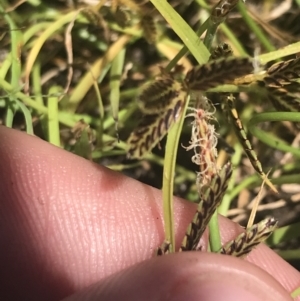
{"x":222,"y":50}
{"x":210,"y":199}
{"x":283,"y":88}
{"x":163,"y":249}
{"x":248,"y":240}
{"x":283,"y":96}
{"x":216,"y":73}
{"x":137,"y":2}
{"x":141,"y":6}
{"x":222,"y":9}
{"x":153,"y":128}
{"x":274,"y":82}
{"x":148,"y":25}
{"x":161,"y":103}
{"x":282,"y":85}
{"x":97,"y":20}
{"x":289,"y":69}
{"x":122,"y":17}
{"x":245,"y":142}
{"x":133,"y":5}
{"x":157,"y":96}
{"x":93,"y":16}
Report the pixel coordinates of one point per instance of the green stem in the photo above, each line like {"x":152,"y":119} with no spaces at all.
{"x":53,"y":121}
{"x":168,"y":177}
{"x":210,"y":33}
{"x":201,"y":54}
{"x":214,"y":233}
{"x":296,"y":292}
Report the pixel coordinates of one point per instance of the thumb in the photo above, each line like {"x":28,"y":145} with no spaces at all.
{"x":186,"y":277}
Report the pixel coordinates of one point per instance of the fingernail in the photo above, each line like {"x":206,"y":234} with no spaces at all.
{"x":214,"y":291}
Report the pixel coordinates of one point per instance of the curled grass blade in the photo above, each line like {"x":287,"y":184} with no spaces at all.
{"x":39,"y":42}
{"x":27,"y":35}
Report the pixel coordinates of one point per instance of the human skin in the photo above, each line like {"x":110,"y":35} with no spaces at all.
{"x":76,"y":230}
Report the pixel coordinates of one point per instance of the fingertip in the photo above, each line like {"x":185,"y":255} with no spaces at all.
{"x":85,"y":222}
{"x":190,"y":276}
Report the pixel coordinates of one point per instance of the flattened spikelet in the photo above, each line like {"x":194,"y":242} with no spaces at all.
{"x":241,"y":133}
{"x":282,"y":85}
{"x":209,"y":201}
{"x":122,"y":17}
{"x":133,"y":5}
{"x":289,"y":69}
{"x":284,"y":96}
{"x":217,"y":73}
{"x":153,"y":128}
{"x":161,"y":103}
{"x":94,"y":17}
{"x":245,"y":142}
{"x":148,"y":25}
{"x":138,"y":2}
{"x":222,"y":9}
{"x":222,"y":50}
{"x":163,"y":249}
{"x":248,"y":240}
{"x":155,"y":97}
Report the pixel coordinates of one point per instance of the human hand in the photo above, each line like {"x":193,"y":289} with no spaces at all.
{"x":66,"y":223}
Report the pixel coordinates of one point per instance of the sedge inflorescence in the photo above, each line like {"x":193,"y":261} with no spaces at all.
{"x":204,"y":141}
